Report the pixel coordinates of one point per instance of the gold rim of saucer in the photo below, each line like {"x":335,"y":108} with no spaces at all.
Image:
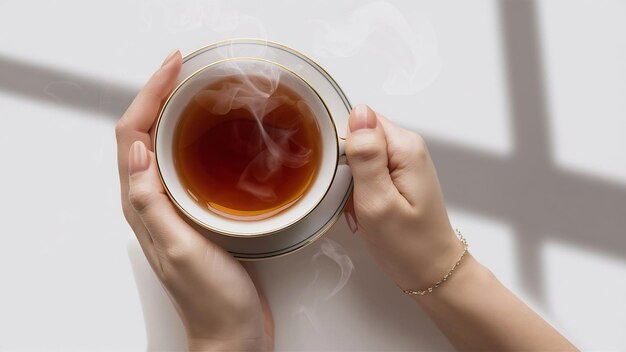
{"x":301,"y":245}
{"x":235,"y":234}
{"x":331,"y":221}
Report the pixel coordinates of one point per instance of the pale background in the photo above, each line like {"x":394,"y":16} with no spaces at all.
{"x":523,"y":105}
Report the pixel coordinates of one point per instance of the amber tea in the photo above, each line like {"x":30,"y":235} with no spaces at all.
{"x":247,"y":147}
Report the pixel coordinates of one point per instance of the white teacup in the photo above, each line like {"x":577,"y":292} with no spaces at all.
{"x":332,"y":149}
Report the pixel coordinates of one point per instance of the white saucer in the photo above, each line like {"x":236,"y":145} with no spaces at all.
{"x":316,"y":223}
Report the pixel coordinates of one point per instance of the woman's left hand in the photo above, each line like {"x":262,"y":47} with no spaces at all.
{"x":213,"y":294}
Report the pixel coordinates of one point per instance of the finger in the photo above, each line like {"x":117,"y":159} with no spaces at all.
{"x":143,"y":110}
{"x":145,"y":242}
{"x":366,"y":151}
{"x":168,"y":231}
{"x":408,"y":158}
{"x":130,"y":129}
{"x":131,"y":216}
{"x":348,"y":213}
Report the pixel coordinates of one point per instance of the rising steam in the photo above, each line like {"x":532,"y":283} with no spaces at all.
{"x":333,"y":251}
{"x":203,"y":16}
{"x":257,"y":93}
{"x":408,"y":46}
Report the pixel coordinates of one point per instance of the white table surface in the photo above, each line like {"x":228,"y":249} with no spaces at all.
{"x":522,"y":104}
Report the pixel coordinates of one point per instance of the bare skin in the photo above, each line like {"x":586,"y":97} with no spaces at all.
{"x":213,"y":294}
{"x":401,"y":216}
{"x":400,"y":211}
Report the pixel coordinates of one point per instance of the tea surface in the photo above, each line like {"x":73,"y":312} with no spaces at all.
{"x":246,"y":155}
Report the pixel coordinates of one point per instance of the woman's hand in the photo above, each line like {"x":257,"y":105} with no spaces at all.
{"x":213,"y":294}
{"x":398,"y":201}
{"x":399,"y":206}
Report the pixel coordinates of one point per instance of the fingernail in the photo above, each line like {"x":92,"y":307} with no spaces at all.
{"x":351,"y":221}
{"x":138,"y":160}
{"x":170,"y":57}
{"x":362,"y":117}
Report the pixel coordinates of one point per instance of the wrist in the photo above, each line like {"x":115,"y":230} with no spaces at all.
{"x":431,"y":258}
{"x":235,"y":344}
{"x":236,"y":332}
{"x":470,"y":278}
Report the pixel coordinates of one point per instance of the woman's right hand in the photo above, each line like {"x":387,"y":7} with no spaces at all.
{"x":398,"y":202}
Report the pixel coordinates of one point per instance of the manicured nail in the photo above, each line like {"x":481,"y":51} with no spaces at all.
{"x":362,"y":117}
{"x":138,"y":159}
{"x":170,"y":57}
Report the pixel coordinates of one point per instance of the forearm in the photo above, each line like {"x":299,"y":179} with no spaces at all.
{"x":476,"y":312}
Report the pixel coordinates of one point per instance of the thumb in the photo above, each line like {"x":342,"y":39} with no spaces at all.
{"x":147,"y":196}
{"x":366,"y":150}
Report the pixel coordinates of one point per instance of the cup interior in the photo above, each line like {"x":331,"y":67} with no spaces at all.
{"x":164,"y":148}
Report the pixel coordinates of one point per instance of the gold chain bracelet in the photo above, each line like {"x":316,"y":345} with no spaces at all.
{"x":445,"y":277}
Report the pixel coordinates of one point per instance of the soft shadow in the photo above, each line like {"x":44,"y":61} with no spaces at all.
{"x":369,"y":314}
{"x":527,"y":190}
{"x":164,"y":330}
{"x":64,"y":88}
